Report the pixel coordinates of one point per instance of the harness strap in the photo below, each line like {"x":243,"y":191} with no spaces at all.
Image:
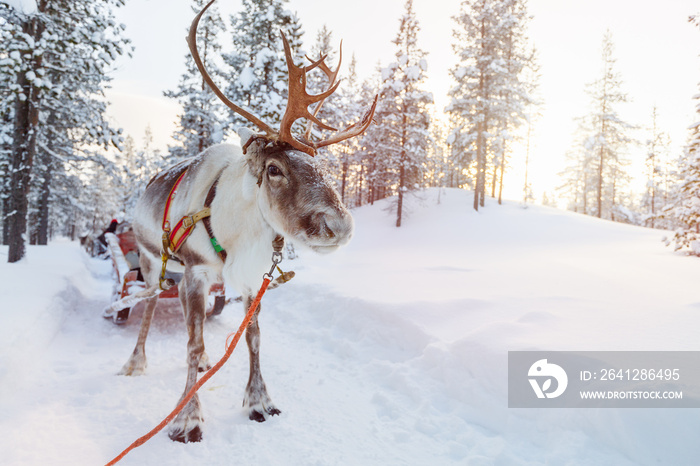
{"x":174,"y":238}
{"x":185,"y":227}
{"x":207,"y":221}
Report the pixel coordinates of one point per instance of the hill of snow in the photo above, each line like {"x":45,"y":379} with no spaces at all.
{"x":390,"y":351}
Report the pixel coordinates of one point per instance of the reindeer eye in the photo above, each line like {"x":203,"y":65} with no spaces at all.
{"x":273,"y":170}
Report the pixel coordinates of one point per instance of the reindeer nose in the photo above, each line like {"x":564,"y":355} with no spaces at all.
{"x":325,"y":230}
{"x":330,"y":228}
{"x":338,"y":226}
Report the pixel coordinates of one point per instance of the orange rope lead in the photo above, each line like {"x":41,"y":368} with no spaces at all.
{"x":229,"y":351}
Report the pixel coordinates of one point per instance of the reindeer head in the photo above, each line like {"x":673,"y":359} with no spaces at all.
{"x":294,"y":196}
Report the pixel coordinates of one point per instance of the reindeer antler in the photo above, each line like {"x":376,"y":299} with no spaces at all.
{"x":332,"y":76}
{"x":297,"y":103}
{"x":192,"y":42}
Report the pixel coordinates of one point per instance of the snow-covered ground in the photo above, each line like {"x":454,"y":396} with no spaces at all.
{"x":392,"y":351}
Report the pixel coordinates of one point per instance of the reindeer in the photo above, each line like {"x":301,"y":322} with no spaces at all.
{"x":256,"y":196}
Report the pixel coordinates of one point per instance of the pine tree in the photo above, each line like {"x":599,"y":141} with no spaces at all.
{"x":201,"y":121}
{"x":489,"y":95}
{"x":317,"y":81}
{"x":580,"y":174}
{"x":596,"y":175}
{"x":685,"y":211}
{"x":330,"y":113}
{"x":372,"y":167}
{"x":404,"y":107}
{"x":137,"y":167}
{"x":440,"y":169}
{"x":258,"y":76}
{"x":348,"y":108}
{"x":58,"y":59}
{"x":515,"y":92}
{"x":473,"y":95}
{"x":609,"y":136}
{"x":532,"y":78}
{"x":6,"y":120}
{"x":655,"y":196}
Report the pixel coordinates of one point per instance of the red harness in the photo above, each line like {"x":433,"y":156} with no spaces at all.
{"x":174,"y":238}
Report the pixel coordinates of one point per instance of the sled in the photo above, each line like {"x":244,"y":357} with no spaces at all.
{"x":129,"y":286}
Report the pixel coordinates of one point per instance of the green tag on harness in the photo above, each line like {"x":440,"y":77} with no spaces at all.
{"x":216,"y":245}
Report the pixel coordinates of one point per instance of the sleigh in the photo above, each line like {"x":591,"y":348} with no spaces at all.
{"x":129,"y":285}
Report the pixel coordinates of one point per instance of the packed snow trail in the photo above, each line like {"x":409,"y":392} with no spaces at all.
{"x":391,"y":351}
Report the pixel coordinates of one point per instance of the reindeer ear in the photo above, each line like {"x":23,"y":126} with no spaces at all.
{"x":252,"y":150}
{"x":246,"y":134}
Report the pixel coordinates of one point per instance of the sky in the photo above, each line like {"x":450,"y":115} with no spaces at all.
{"x":657,"y":53}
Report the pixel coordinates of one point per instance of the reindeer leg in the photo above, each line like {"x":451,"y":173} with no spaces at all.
{"x":136,"y":365}
{"x":256,"y":401}
{"x":187,"y":426}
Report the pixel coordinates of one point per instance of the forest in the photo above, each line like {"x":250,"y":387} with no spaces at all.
{"x":65,"y":169}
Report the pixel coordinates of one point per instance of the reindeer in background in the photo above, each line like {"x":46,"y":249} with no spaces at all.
{"x":250,"y":199}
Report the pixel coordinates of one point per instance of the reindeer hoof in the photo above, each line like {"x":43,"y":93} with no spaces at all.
{"x":257,"y":414}
{"x":136,"y":365}
{"x":182,"y":436}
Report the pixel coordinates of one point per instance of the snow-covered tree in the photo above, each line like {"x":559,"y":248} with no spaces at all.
{"x":488,"y":98}
{"x":609,"y":136}
{"x":515,"y":90}
{"x":203,"y":114}
{"x":685,"y":211}
{"x":579,"y":176}
{"x":6,"y":119}
{"x":403,"y":109}
{"x":317,"y":81}
{"x":374,"y":170}
{"x":330,"y":112}
{"x":655,"y":196}
{"x":57,"y":62}
{"x":258,"y":71}
{"x":596,"y":176}
{"x":440,"y":170}
{"x":348,"y":108}
{"x":532,"y":114}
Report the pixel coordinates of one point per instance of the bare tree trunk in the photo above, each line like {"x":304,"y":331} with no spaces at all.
{"x":399,"y":208}
{"x":500,"y":180}
{"x":599,"y":193}
{"x":494,"y":178}
{"x":527,"y":161}
{"x":477,"y":177}
{"x":344,"y":174}
{"x":360,"y":182}
{"x":42,"y":227}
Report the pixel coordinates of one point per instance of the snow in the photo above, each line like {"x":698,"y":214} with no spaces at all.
{"x":390,"y":351}
{"x":23,"y":6}
{"x":460,"y":72}
{"x":413,"y":73}
{"x":247,"y":77}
